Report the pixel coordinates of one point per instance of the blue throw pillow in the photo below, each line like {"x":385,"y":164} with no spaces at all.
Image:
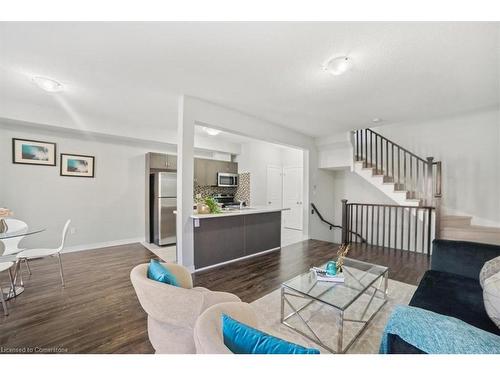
{"x":157,"y":272}
{"x":242,"y":339}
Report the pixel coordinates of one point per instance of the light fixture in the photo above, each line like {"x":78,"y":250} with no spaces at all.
{"x":338,"y":65}
{"x":48,"y":84}
{"x":210,"y":131}
{"x":376,"y":120}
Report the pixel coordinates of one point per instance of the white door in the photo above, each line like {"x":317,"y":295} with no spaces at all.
{"x":292,"y":197}
{"x":274,"y":187}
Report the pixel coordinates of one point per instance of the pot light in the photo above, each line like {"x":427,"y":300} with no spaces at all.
{"x":48,"y":84}
{"x":210,"y":131}
{"x":376,"y":120}
{"x":338,"y":65}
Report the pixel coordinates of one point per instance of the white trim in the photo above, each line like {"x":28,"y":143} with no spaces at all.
{"x":237,"y":259}
{"x":97,"y":245}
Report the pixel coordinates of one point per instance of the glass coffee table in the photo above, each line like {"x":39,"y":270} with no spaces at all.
{"x":321,"y":310}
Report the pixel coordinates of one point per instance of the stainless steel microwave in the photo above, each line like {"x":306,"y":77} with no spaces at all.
{"x":227,"y":179}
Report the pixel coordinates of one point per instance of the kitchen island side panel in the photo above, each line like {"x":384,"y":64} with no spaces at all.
{"x":262,"y":232}
{"x":222,"y":239}
{"x":219,"y":240}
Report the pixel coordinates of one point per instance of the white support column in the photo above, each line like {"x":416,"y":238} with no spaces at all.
{"x":185,"y":171}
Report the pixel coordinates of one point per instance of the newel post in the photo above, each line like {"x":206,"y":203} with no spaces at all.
{"x":429,"y":186}
{"x":345,"y":229}
{"x":437,"y":201}
{"x":434,"y":192}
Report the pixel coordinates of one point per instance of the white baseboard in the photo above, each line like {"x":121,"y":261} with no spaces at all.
{"x":98,"y":245}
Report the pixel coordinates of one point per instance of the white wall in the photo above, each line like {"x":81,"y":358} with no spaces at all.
{"x":109,"y":207}
{"x":322,"y":195}
{"x":335,"y":151}
{"x":469,"y":148}
{"x":256,"y":156}
{"x":291,"y":157}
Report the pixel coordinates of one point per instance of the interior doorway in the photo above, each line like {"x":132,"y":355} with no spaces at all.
{"x":285,"y":189}
{"x":274,"y":186}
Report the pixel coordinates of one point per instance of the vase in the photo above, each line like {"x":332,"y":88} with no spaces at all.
{"x":3,"y":226}
{"x":331,"y":268}
{"x":202,"y":208}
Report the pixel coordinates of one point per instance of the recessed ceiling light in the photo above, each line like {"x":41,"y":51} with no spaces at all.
{"x":48,"y":84}
{"x":210,"y":131}
{"x":376,"y":120}
{"x":338,"y":65}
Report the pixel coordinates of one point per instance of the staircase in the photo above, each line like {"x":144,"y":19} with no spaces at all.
{"x":386,"y":184}
{"x":412,"y":181}
{"x":404,"y":177}
{"x":460,"y":228}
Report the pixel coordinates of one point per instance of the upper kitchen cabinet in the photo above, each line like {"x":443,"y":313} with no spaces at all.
{"x":205,"y":170}
{"x":172,"y":162}
{"x":200,"y":172}
{"x":162,"y":161}
{"x":228,"y":167}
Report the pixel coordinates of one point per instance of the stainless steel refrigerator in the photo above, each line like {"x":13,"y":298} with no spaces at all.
{"x":164,"y":205}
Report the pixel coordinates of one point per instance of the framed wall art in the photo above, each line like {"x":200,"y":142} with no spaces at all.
{"x":73,"y":165}
{"x":28,"y":151}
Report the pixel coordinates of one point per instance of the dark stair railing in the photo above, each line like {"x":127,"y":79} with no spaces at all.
{"x":410,"y":228}
{"x":314,"y":210}
{"x":420,"y":177}
{"x":403,"y":227}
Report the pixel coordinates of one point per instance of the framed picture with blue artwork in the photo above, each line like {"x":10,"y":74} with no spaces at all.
{"x":73,"y":165}
{"x":28,"y":151}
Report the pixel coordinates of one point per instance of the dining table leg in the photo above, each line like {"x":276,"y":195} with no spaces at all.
{"x":15,"y":289}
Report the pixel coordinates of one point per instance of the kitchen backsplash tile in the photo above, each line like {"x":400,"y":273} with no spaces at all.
{"x":208,"y":191}
{"x":243,"y":189}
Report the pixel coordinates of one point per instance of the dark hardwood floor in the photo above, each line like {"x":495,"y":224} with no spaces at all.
{"x":98,"y":311}
{"x":253,"y":278}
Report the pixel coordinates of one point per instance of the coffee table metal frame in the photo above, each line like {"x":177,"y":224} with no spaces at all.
{"x":382,"y":279}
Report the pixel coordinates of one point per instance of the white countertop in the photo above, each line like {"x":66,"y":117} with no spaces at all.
{"x":244,"y":211}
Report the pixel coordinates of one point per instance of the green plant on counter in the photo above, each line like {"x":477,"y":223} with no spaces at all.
{"x":212,"y":204}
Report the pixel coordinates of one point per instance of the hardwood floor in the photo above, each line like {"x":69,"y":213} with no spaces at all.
{"x":98,"y":311}
{"x":253,"y":278}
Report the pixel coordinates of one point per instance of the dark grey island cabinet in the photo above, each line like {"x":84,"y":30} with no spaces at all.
{"x":228,"y":237}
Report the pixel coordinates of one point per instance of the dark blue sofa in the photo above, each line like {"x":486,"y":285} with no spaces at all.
{"x":451,"y":287}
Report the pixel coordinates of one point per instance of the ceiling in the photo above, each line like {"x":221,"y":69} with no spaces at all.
{"x":124,"y":78}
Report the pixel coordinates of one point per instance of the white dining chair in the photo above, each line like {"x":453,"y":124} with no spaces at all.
{"x":43,"y":253}
{"x":6,"y":266}
{"x":11,"y":245}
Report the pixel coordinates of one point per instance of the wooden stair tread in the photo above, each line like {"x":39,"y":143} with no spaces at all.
{"x":446,"y":217}
{"x":473,"y":228}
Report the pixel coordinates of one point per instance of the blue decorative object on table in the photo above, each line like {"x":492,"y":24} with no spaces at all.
{"x":243,"y":339}
{"x":157,"y":272}
{"x":449,"y":335}
{"x":331,"y":268}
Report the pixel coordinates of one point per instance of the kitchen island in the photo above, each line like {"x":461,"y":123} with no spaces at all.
{"x":235,"y":234}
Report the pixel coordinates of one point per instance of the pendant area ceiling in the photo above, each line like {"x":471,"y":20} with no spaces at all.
{"x":124,"y":78}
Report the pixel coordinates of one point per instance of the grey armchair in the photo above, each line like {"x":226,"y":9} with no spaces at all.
{"x":173,"y":311}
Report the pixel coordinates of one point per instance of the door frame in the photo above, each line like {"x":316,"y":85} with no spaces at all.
{"x":280,"y":167}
